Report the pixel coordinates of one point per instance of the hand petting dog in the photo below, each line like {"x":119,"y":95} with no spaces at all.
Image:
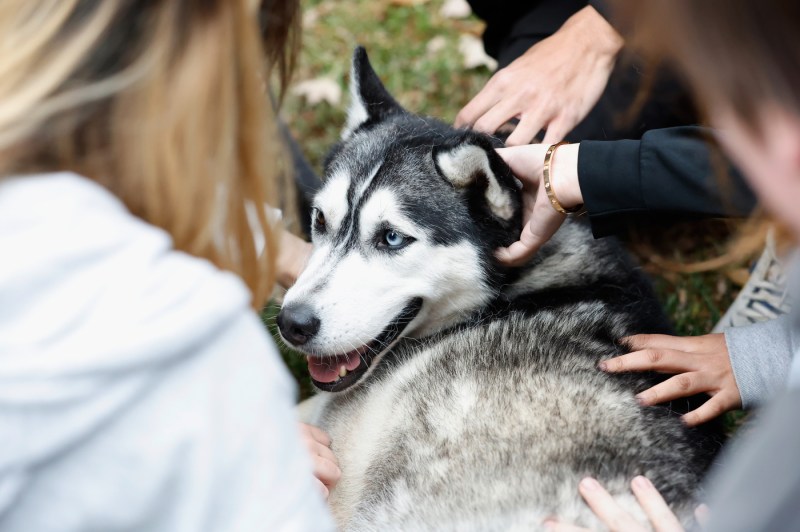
{"x":552,"y":86}
{"x":326,"y":466}
{"x":540,"y":220}
{"x":700,"y":364}
{"x":617,"y":519}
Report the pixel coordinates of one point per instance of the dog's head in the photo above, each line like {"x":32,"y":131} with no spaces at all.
{"x":404,"y":233}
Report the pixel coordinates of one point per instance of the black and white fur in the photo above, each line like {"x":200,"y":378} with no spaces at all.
{"x":478,"y":404}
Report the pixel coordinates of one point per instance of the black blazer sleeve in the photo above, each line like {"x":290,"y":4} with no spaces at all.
{"x":666,"y":176}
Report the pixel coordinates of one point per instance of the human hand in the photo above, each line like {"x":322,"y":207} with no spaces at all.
{"x":617,"y":519}
{"x":540,"y":220}
{"x":552,"y":86}
{"x":701,"y":364}
{"x":326,"y":466}
{"x":293,"y":254}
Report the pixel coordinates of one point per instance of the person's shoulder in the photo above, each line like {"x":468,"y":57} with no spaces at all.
{"x":66,"y":215}
{"x":89,"y":273}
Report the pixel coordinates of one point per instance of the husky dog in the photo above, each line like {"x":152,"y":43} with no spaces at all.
{"x":460,"y":394}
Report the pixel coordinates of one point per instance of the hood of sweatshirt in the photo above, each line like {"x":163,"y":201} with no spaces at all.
{"x":94,"y":305}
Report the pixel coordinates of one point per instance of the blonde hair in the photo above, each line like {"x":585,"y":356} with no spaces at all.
{"x":162,"y":102}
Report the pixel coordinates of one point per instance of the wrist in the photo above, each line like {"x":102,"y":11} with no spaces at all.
{"x":605,"y":39}
{"x":564,"y":176}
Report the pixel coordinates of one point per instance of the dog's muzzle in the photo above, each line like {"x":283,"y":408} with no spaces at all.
{"x":337,"y":372}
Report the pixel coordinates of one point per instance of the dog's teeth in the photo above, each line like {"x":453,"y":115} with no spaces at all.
{"x":342,"y":371}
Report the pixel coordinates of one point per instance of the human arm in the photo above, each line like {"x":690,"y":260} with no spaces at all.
{"x":540,"y":220}
{"x":760,"y":356}
{"x":743,"y":367}
{"x":700,"y":364}
{"x":667,"y":175}
{"x":552,"y":86}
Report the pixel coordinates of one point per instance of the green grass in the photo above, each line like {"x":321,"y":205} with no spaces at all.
{"x":396,"y":35}
{"x":396,"y":39}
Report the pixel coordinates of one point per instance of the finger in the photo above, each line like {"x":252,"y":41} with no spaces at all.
{"x":487,"y":98}
{"x":558,"y":129}
{"x":319,"y":435}
{"x":495,"y":117}
{"x":651,"y":359}
{"x":520,"y":160}
{"x":528,"y":204}
{"x":605,"y":507}
{"x":325,"y":470}
{"x":654,"y":505}
{"x":709,"y":410}
{"x":322,"y":488}
{"x":525,"y":162}
{"x":534,"y":235}
{"x":529,"y":125}
{"x":563,"y":527}
{"x":323,"y":451}
{"x":638,"y":342}
{"x":701,"y":514}
{"x":682,"y":385}
{"x":514,"y":255}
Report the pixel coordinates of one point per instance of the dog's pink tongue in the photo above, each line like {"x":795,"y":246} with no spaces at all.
{"x":327,"y":369}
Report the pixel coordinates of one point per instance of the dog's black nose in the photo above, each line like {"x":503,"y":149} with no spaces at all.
{"x":297,"y":323}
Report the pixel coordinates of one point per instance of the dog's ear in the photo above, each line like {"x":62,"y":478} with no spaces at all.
{"x":475,"y":166}
{"x":369,"y":99}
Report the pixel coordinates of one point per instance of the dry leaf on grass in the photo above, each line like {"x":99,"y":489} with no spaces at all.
{"x":312,"y":15}
{"x":318,"y":90}
{"x":473,"y":54}
{"x":683,"y":297}
{"x":310,"y":18}
{"x":738,"y":276}
{"x":436,"y":45}
{"x":722,"y":288}
{"x":406,"y":3}
{"x":455,"y":9}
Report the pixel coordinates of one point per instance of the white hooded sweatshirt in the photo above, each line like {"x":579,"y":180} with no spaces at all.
{"x":138,"y":391}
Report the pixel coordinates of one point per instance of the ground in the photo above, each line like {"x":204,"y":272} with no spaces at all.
{"x":419,"y":53}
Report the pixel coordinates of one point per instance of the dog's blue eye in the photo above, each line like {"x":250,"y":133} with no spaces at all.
{"x":393,"y":240}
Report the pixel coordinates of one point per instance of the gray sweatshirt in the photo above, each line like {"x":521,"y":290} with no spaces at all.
{"x":760,"y":357}
{"x":756,"y":484}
